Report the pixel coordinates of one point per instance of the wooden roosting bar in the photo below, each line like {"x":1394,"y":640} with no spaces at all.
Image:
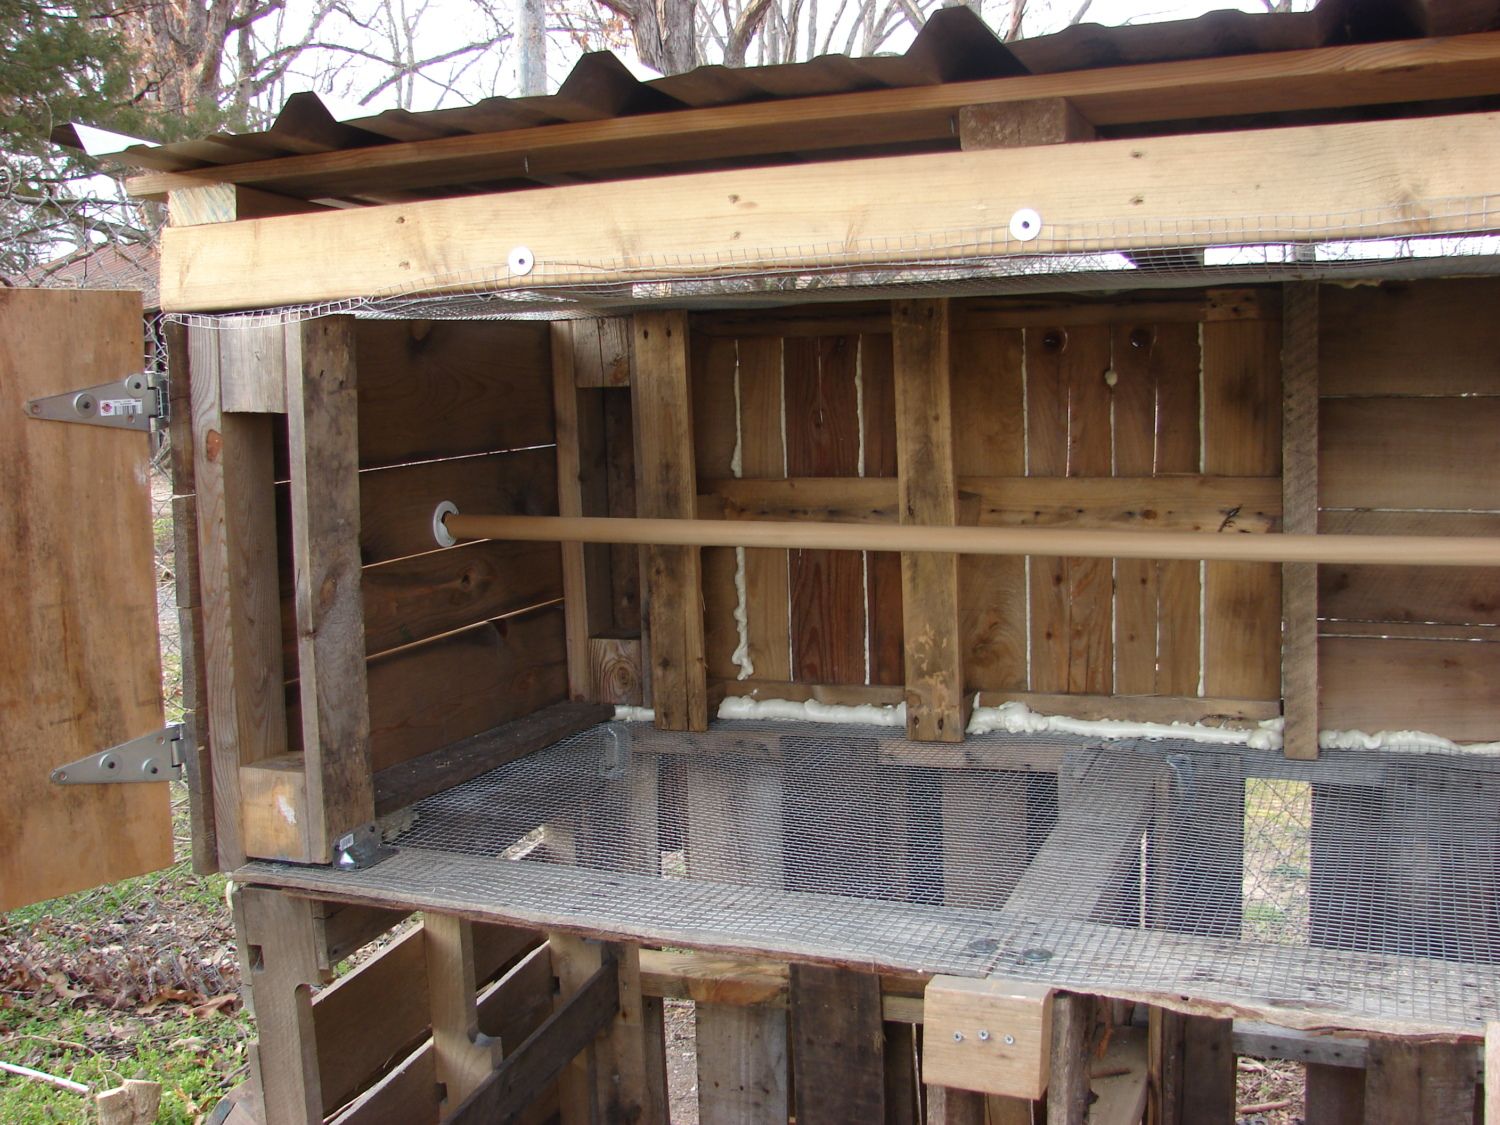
{"x":801,"y":430}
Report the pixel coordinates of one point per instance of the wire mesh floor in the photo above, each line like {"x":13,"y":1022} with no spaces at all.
{"x":1365,"y":885}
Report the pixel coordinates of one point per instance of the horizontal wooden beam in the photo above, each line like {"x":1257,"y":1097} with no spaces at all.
{"x":1361,"y":180}
{"x":1410,"y":550}
{"x":1186,"y":503}
{"x":1366,"y":74}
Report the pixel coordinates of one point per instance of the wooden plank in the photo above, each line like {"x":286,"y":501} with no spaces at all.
{"x":1418,"y":1083}
{"x":822,"y":436}
{"x":242,"y":635}
{"x":666,"y":488}
{"x":1043,"y":121}
{"x":1492,"y":1073}
{"x":431,"y":695}
{"x":254,"y":369}
{"x":763,"y":454}
{"x":987,"y":380}
{"x":883,"y":604}
{"x":322,"y":401}
{"x":1409,"y":594}
{"x":1304,"y":173}
{"x":537,"y":1061}
{"x":1242,"y":435}
{"x":577,"y":434}
{"x":716,"y":437}
{"x":602,"y":349}
{"x":1198,"y":503}
{"x":615,"y":670}
{"x":1156,"y":425}
{"x":1409,"y":453}
{"x":936,"y":704}
{"x":396,"y":504}
{"x":1299,"y":504}
{"x":343,"y":929}
{"x":742,"y":1064}
{"x":1335,"y":1095}
{"x":1449,"y":688}
{"x":407,"y":782}
{"x":463,"y":1057}
{"x":1378,"y":340}
{"x":946,"y":1106}
{"x":80,"y":670}
{"x":226,"y":203}
{"x":992,"y":1035}
{"x":1068,"y":1094}
{"x":836,"y":1029}
{"x":1262,"y":83}
{"x":424,"y":596}
{"x":1068,"y":428}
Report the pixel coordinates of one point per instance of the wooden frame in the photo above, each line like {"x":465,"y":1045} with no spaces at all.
{"x":1298,"y":178}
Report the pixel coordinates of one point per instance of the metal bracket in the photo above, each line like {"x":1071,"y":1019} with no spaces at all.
{"x":361,"y":848}
{"x":137,"y":402}
{"x":157,"y":756}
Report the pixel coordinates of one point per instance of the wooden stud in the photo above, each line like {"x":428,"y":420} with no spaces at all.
{"x":1299,"y":507}
{"x":1334,"y":1095}
{"x":836,"y":1030}
{"x":608,"y":1081}
{"x":256,"y":365}
{"x":464,"y":1056}
{"x":1068,"y":1092}
{"x":742,"y":1064}
{"x":282,"y":967}
{"x":937,"y":708}
{"x":615,"y":669}
{"x":227,"y":203}
{"x":763,"y":454}
{"x":322,"y":409}
{"x":947,"y":1106}
{"x":232,"y":468}
{"x":666,"y":487}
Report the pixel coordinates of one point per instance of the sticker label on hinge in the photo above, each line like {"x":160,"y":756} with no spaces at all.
{"x":116,"y":407}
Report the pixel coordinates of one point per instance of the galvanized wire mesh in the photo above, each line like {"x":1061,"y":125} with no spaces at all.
{"x":1365,"y":882}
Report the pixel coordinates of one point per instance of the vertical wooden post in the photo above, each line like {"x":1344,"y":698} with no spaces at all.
{"x":581,"y":490}
{"x":1334,"y":1095}
{"x":1072,"y":1035}
{"x":281,"y":966}
{"x":610,"y":1080}
{"x":232,"y":468}
{"x":463,"y":1056}
{"x":838,"y":1055}
{"x":667,"y":487}
{"x":1414,"y":1083}
{"x":323,"y":438}
{"x":1299,"y":515}
{"x":937,"y":709}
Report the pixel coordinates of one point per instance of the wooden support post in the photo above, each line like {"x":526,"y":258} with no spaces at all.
{"x":582,"y":489}
{"x":1299,"y":515}
{"x":1334,"y":1095}
{"x":937,"y":708}
{"x":322,"y":429}
{"x":838,"y":1057}
{"x":281,"y":960}
{"x":463,"y":1055}
{"x":667,"y":488}
{"x":232,"y":469}
{"x":610,"y":1080}
{"x":1416,"y":1083}
{"x":1072,"y":1039}
{"x":1191,"y":1067}
{"x":947,"y":1106}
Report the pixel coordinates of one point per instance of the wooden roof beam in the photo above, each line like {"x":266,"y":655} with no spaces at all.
{"x":1320,"y":78}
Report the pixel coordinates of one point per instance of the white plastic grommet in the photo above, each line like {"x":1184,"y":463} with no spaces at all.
{"x":440,"y":530}
{"x":1025,"y":225}
{"x":521,"y":260}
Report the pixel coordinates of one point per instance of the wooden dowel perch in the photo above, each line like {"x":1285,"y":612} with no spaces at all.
{"x":1405,"y":550}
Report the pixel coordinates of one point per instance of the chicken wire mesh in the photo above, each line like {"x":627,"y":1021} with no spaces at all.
{"x":1369,"y":881}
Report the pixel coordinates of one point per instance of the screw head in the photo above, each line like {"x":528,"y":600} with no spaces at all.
{"x":958,"y":1037}
{"x":1010,"y":1040}
{"x":984,"y":1036}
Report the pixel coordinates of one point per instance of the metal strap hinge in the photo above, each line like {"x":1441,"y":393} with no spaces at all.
{"x":137,"y":402}
{"x":158,"y":756}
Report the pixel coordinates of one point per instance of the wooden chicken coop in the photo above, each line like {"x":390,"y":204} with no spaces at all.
{"x":1034,"y":507}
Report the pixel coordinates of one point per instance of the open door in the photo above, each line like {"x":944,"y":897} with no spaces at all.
{"x":80,"y":669}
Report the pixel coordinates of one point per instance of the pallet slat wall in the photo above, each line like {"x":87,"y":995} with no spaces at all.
{"x":1157,"y":414}
{"x":463,"y":412}
{"x":1409,"y":413}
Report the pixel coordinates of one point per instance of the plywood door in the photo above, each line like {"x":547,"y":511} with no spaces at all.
{"x":79,"y":666}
